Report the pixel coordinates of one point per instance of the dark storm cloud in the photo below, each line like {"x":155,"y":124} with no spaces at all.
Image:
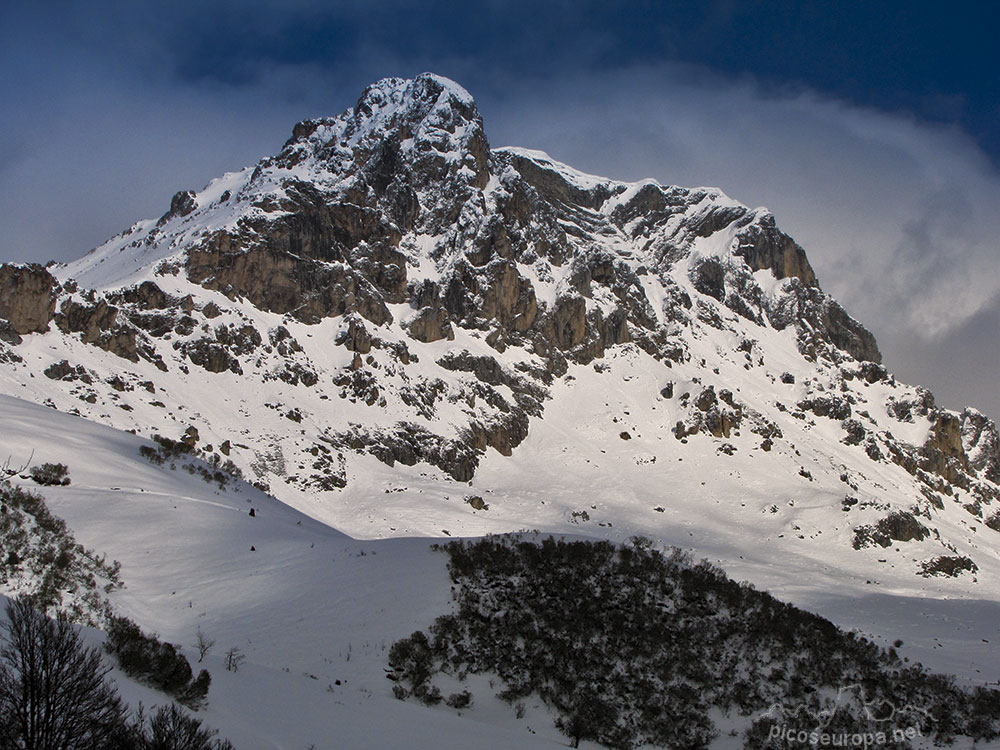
{"x":874,"y":167}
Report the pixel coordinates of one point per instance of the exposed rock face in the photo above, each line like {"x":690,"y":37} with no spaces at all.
{"x":279,"y":282}
{"x":717,"y":415}
{"x":98,"y":324}
{"x":90,"y":320}
{"x":431,"y":321}
{"x":409,"y":443}
{"x":948,"y":565}
{"x":855,"y":431}
{"x":27,"y":299}
{"x":830,"y":405}
{"x":65,"y":371}
{"x":827,"y":321}
{"x":528,"y":393}
{"x":8,"y":334}
{"x":148,"y":296}
{"x":900,"y":526}
{"x":509,"y":299}
{"x":430,"y":324}
{"x":412,"y":156}
{"x":567,"y":325}
{"x":356,"y":338}
{"x":551,"y":187}
{"x":709,"y":277}
{"x":182,"y":204}
{"x":846,"y":333}
{"x":763,"y":246}
{"x":981,"y":444}
{"x":910,"y":409}
{"x":944,"y":453}
{"x":946,"y":436}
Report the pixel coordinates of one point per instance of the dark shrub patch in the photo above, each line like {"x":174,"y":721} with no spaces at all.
{"x":460,"y":700}
{"x":41,"y":556}
{"x":631,"y":647}
{"x":52,"y":475}
{"x":158,"y":664}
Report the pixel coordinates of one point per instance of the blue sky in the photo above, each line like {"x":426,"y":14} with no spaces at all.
{"x":871,"y":129}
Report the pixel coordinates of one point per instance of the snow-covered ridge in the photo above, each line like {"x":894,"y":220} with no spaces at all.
{"x":621,"y":193}
{"x":573,"y":176}
{"x":323,"y":152}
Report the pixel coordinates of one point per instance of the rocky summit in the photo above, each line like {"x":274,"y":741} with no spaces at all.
{"x":398,"y":330}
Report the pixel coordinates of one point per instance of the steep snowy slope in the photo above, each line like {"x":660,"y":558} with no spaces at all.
{"x":308,"y":606}
{"x":399,"y":331}
{"x":315,"y":611}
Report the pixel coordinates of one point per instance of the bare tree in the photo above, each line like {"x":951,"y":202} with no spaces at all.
{"x":170,"y":728}
{"x":12,"y":472}
{"x":53,"y":691}
{"x":234,"y":657}
{"x":204,"y":644}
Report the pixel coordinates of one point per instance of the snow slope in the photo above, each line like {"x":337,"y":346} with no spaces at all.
{"x":310,"y":606}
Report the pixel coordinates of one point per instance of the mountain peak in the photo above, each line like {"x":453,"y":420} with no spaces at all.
{"x":427,"y":123}
{"x":424,"y":92}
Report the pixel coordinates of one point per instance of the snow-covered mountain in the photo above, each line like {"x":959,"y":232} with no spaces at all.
{"x":389,"y":305}
{"x":399,"y":331}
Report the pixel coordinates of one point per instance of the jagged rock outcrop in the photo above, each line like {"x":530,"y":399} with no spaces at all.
{"x":763,"y":246}
{"x":279,"y":282}
{"x":828,"y":405}
{"x":943,"y":453}
{"x":98,"y":324}
{"x":528,"y":392}
{"x":827,"y":322}
{"x":908,"y":409}
{"x":27,"y":298}
{"x":409,"y":443}
{"x":148,"y":296}
{"x":900,"y":526}
{"x":981,"y":443}
{"x":8,"y":334}
{"x":356,"y":336}
{"x":566,"y":325}
{"x":431,"y":321}
{"x":182,"y":204}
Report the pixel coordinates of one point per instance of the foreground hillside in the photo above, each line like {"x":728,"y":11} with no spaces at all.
{"x":309,"y":606}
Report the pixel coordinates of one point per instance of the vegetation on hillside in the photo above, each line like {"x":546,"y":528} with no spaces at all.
{"x":39,"y":556}
{"x":55,"y":694}
{"x":630,"y":646}
{"x":41,"y":561}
